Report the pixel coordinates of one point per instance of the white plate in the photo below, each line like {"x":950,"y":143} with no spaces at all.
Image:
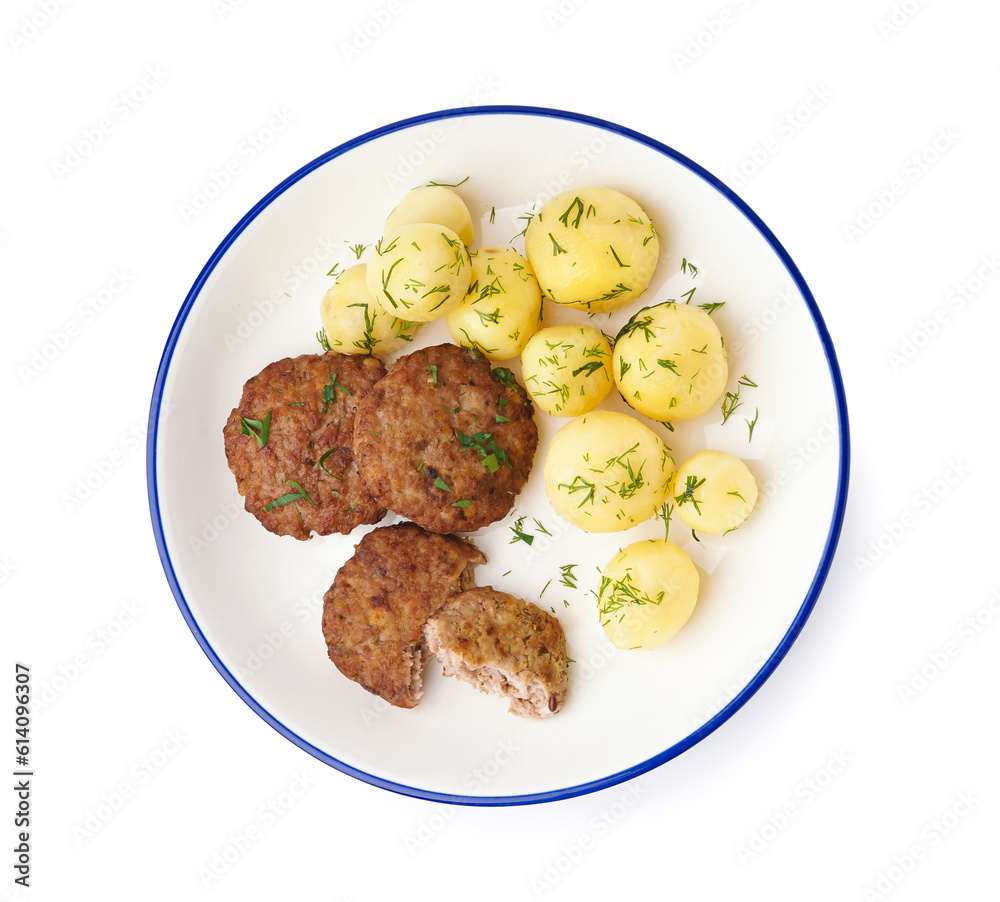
{"x":254,"y":600}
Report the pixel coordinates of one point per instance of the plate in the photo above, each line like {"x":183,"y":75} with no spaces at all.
{"x":254,"y":600}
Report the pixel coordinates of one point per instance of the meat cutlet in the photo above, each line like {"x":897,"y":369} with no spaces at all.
{"x":375,"y":611}
{"x":445,"y":440}
{"x":289,"y":444}
{"x":504,"y":646}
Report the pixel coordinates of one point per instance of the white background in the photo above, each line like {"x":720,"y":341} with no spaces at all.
{"x":863,"y":133}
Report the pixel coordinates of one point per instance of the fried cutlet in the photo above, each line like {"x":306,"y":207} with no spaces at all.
{"x":504,"y":646}
{"x":289,"y":444}
{"x":375,"y":611}
{"x":446,"y":440}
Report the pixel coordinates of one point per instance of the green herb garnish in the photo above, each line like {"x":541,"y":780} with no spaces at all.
{"x":493,"y":456}
{"x":259,"y":429}
{"x":564,"y":219}
{"x":330,"y":391}
{"x":322,"y":466}
{"x":637,"y":325}
{"x":692,"y":484}
{"x":618,"y":259}
{"x":729,"y":404}
{"x":298,"y":495}
{"x":579,"y":484}
{"x":589,"y":368}
{"x":527,"y":217}
{"x":615,"y":595}
{"x":568,"y":577}
{"x":664,"y":514}
{"x":505,"y":377}
{"x":446,"y":184}
{"x":519,"y":534}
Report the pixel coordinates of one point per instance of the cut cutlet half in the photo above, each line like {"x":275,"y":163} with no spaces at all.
{"x":375,"y":611}
{"x":503,"y":646}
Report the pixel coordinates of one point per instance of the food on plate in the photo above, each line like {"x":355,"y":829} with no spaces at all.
{"x":419,"y":272}
{"x":567,"y":369}
{"x":289,"y":444}
{"x":325,"y":443}
{"x":445,"y":440}
{"x":605,"y":471}
{"x":670,"y":362}
{"x":648,"y":591}
{"x":433,"y":203}
{"x":355,"y":324}
{"x":503,"y":307}
{"x":713,"y":492}
{"x":503,"y":646}
{"x":594,"y":249}
{"x":375,"y":611}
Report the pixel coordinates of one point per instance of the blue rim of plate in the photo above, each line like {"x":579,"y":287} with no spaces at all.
{"x":758,"y":679}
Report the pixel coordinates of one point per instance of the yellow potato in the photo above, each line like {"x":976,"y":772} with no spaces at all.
{"x":594,"y":249}
{"x":567,"y":369}
{"x":670,"y":362}
{"x":355,"y":324}
{"x":648,"y":591}
{"x":713,"y":492}
{"x":419,"y":272}
{"x":605,"y":471}
{"x":503,"y":307}
{"x":433,"y":203}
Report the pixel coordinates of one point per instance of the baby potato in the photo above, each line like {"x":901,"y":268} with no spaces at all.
{"x":648,"y":591}
{"x":355,"y":324}
{"x":605,"y":471}
{"x":670,"y":362}
{"x":502,"y":309}
{"x":594,"y":249}
{"x":433,"y":203}
{"x":419,"y":271}
{"x":713,"y":492}
{"x":567,"y":369}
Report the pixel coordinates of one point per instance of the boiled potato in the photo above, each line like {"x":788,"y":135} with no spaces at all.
{"x":670,"y":362}
{"x":594,"y":249}
{"x":567,"y":369}
{"x":648,"y":591}
{"x":355,"y":324}
{"x":502,"y":309}
{"x":419,"y":271}
{"x":433,"y":203}
{"x":605,"y":471}
{"x":713,"y":492}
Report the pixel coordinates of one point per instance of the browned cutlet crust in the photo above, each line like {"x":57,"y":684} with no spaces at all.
{"x":504,"y":646}
{"x":445,"y":440}
{"x":312,"y":400}
{"x":375,"y":611}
